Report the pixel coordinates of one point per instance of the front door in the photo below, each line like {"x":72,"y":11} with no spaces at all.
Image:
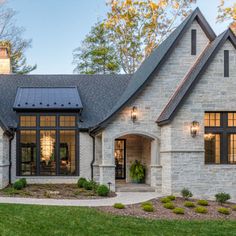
{"x":120,"y":158}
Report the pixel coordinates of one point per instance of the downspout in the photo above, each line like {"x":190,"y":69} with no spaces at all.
{"x":93,"y":160}
{"x":10,"y":158}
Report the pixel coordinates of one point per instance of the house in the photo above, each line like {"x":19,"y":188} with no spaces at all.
{"x":176,"y":114}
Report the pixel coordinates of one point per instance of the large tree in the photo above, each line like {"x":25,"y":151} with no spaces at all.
{"x":96,"y":55}
{"x":227,"y":11}
{"x":137,"y":27}
{"x":13,"y":36}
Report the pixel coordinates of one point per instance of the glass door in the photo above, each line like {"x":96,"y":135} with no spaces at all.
{"x":120,"y":152}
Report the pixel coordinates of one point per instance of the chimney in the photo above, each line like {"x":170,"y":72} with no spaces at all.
{"x":5,"y":61}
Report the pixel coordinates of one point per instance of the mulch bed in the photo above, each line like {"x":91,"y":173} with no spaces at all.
{"x":162,"y":213}
{"x":54,"y":191}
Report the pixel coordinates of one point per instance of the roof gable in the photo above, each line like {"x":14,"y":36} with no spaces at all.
{"x":153,"y":63}
{"x":193,"y":76}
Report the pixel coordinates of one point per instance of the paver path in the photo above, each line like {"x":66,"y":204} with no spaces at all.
{"x":122,"y":197}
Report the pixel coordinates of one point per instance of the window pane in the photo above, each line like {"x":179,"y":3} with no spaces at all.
{"x":28,"y":152}
{"x":68,"y":121}
{"x":212,"y":148}
{"x":232,"y":148}
{"x":47,"y":121}
{"x":28,"y":121}
{"x":212,"y":119}
{"x":231,"y":119}
{"x":67,"y":152}
{"x":47,"y":152}
{"x":120,"y":159}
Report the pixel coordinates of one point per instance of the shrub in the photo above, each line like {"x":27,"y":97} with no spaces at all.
{"x":148,"y":208}
{"x":24,"y":182}
{"x":178,"y":210}
{"x":95,"y":185}
{"x":222,"y":197}
{"x":18,"y":185}
{"x":169,"y":205}
{"x":146,"y":203}
{"x":201,"y":209}
{"x":189,"y":204}
{"x":186,"y":194}
{"x":171,"y":197}
{"x":81,"y":182}
{"x":165,"y":200}
{"x":119,"y":206}
{"x":88,"y":185}
{"x":234,"y":208}
{"x":202,"y":202}
{"x":224,"y":211}
{"x":102,"y":190}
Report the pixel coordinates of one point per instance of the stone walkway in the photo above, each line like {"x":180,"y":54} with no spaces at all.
{"x":122,"y":197}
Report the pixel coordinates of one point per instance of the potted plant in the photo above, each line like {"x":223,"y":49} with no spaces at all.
{"x":137,"y":172}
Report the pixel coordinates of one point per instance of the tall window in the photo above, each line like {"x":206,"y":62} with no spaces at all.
{"x":47,"y":145}
{"x":220,"y":138}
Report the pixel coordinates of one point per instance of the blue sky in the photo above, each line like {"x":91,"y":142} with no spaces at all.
{"x":58,"y":26}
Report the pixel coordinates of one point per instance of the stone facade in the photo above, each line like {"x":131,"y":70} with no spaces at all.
{"x":213,"y":92}
{"x":150,"y":103}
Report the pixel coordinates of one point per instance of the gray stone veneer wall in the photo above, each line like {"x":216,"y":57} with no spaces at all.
{"x":151,"y":101}
{"x":213,"y":92}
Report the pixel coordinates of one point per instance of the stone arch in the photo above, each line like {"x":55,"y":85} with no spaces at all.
{"x":150,"y":152}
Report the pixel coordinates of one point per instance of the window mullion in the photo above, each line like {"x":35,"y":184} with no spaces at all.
{"x":38,"y":147}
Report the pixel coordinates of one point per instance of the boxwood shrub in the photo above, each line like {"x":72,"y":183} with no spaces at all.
{"x":24,"y":182}
{"x":202,"y":202}
{"x":178,"y":210}
{"x":103,"y":190}
{"x":165,"y":200}
{"x":171,"y":197}
{"x":80,"y":182}
{"x":88,"y":185}
{"x":201,"y":209}
{"x":222,"y":197}
{"x":18,"y":185}
{"x":189,"y":204}
{"x":148,"y":208}
{"x":146,"y":203}
{"x":223,"y":210}
{"x":169,"y":205}
{"x":119,"y":206}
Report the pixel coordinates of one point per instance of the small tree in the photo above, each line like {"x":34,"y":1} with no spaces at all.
{"x":222,"y":197}
{"x":186,"y":194}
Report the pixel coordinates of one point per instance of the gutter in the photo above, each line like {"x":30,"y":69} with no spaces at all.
{"x":10,"y":158}
{"x":93,"y":160}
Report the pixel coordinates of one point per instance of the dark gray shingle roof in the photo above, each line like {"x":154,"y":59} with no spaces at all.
{"x":47,"y":98}
{"x":191,"y":79}
{"x":151,"y":65}
{"x":98,"y":93}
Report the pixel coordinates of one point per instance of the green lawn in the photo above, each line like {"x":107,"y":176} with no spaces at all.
{"x":47,"y":220}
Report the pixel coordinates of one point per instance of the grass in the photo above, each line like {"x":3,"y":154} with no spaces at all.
{"x":28,"y":220}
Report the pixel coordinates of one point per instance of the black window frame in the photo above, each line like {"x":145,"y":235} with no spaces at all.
{"x":57,"y":128}
{"x":224,"y":130}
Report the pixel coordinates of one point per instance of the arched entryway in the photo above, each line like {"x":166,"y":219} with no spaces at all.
{"x":132,"y":147}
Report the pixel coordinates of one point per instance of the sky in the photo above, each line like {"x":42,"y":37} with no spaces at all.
{"x":57,"y":27}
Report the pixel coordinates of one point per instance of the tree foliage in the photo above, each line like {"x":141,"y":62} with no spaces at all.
{"x":227,"y":11}
{"x":137,"y":27}
{"x":13,"y":35}
{"x":96,"y":55}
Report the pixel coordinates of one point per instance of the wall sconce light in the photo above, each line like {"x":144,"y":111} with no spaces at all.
{"x":134,"y":114}
{"x":194,"y":128}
